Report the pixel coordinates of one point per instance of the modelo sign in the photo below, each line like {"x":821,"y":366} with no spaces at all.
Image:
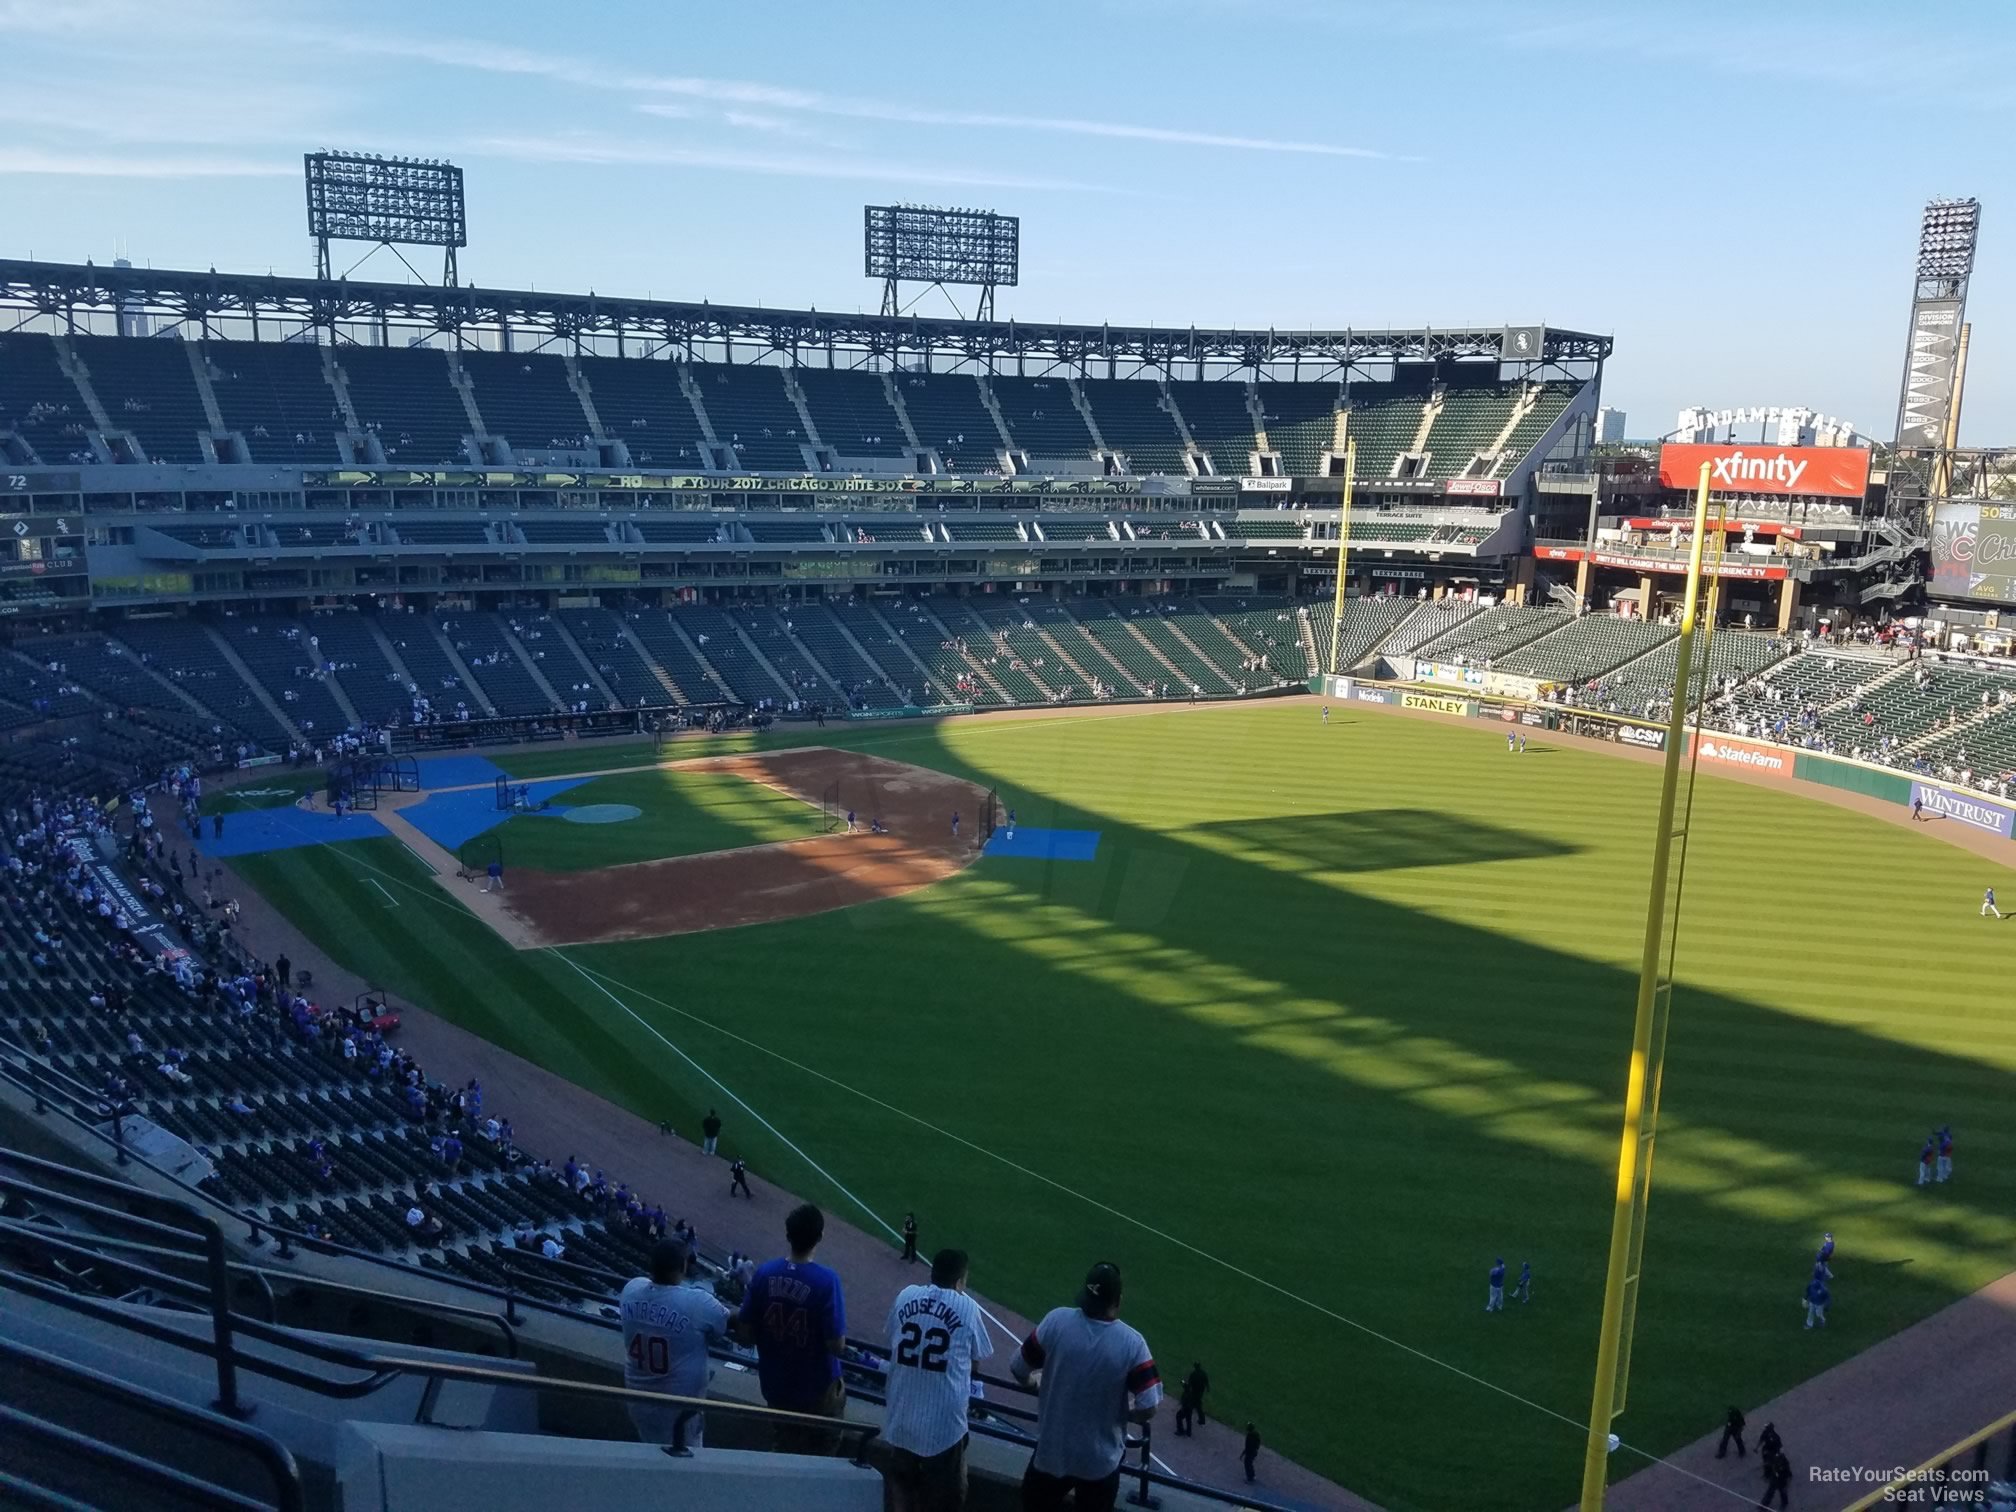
{"x":1828,"y":472}
{"x":1723,"y":751}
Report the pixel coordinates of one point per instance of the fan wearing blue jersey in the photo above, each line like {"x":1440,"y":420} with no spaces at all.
{"x":794,"y":1314}
{"x":936,"y":1335}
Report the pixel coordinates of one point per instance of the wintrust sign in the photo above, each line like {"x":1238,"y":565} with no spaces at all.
{"x":1740,"y":753}
{"x":1945,"y":804}
{"x":1832,"y":472}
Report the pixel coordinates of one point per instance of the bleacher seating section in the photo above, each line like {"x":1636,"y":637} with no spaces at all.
{"x":1584,"y":648}
{"x":775,"y":633}
{"x":1384,"y":420}
{"x":864,"y":682}
{"x":873,"y":632}
{"x":1220,"y":422}
{"x":1171,"y":643}
{"x":641,"y":404}
{"x":375,"y":691}
{"x":1435,"y":619}
{"x":39,"y":403}
{"x":407,"y":400}
{"x":753,"y":416}
{"x":1367,"y":622}
{"x":563,"y":667}
{"x":276,"y":651}
{"x":947,"y":412}
{"x":715,"y":634}
{"x":1135,"y":422}
{"x":599,"y":634}
{"x":934,"y":627}
{"x":275,"y":396}
{"x":487,"y":650}
{"x":416,"y":640}
{"x":1553,"y":398}
{"x":525,"y":398}
{"x":1042,"y":419}
{"x":1107,"y":626}
{"x":1301,"y":423}
{"x":185,"y":652}
{"x":852,"y":412}
{"x":654,"y":629}
{"x":1469,"y":422}
{"x":1487,"y":636}
{"x":1270,"y":629}
{"x":147,"y":387}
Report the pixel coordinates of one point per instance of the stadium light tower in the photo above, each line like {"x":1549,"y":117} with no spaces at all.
{"x":1928,"y":409}
{"x":924,"y":244}
{"x":393,"y":202}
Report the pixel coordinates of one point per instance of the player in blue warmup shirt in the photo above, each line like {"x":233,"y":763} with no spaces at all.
{"x":1988,"y":904}
{"x":1817,"y":1298}
{"x":1496,"y":1303}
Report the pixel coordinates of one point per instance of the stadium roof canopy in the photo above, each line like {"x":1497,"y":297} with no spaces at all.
{"x":85,"y":296}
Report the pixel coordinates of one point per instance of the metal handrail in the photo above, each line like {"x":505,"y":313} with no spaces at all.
{"x":273,"y":1455}
{"x":206,"y":1229}
{"x":512,"y":1301}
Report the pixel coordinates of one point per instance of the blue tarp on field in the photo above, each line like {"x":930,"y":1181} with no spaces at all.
{"x":1044,"y":844}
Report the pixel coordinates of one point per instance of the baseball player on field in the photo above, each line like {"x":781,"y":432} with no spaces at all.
{"x":935,"y":1335}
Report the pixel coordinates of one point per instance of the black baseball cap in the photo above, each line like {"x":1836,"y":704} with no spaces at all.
{"x":1102,"y":1287}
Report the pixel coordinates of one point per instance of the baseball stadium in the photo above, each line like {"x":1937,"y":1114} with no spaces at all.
{"x":494,"y":779}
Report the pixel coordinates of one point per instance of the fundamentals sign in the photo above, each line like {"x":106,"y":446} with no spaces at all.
{"x":1830,"y":472}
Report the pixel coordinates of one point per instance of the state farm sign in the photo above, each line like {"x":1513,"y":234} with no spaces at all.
{"x":1830,"y":472}
{"x":1740,"y":753}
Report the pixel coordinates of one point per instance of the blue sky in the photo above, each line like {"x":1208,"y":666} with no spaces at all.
{"x":1731,"y":189}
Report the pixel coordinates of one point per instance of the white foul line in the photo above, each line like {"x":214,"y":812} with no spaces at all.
{"x":655,"y":1033}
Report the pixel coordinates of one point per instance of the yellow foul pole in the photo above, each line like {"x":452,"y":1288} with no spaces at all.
{"x":1620,"y":1283}
{"x":1343,"y":550}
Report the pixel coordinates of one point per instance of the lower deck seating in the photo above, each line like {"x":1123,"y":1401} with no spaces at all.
{"x":184,"y":651}
{"x":292,"y":665}
{"x":488,"y":651}
{"x":675,"y":655}
{"x":599,"y":634}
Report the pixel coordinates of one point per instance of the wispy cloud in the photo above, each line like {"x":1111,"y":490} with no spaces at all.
{"x":608,"y":150}
{"x":35,"y":160}
{"x":520,"y":62}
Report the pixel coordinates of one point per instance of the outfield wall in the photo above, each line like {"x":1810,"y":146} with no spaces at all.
{"x":1717,"y":751}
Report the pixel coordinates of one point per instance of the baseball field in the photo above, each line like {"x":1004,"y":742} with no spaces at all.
{"x":1332,"y":1016}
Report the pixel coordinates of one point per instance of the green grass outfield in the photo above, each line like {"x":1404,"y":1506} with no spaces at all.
{"x":1339,"y":1014}
{"x":684,"y":813}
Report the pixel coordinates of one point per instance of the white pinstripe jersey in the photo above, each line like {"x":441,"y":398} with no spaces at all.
{"x":935,"y":1335}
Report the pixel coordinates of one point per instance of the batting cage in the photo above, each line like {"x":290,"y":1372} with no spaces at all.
{"x":990,"y":815}
{"x":832,"y":812}
{"x":516,"y":798}
{"x":474,"y":859}
{"x":354,"y":781}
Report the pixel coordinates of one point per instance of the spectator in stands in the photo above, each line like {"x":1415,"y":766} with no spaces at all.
{"x":795,"y":1315}
{"x":667,"y":1328}
{"x":1097,"y":1376}
{"x":936,"y":1336}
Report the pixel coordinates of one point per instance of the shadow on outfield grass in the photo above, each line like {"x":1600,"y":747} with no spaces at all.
{"x":1365,"y":840}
